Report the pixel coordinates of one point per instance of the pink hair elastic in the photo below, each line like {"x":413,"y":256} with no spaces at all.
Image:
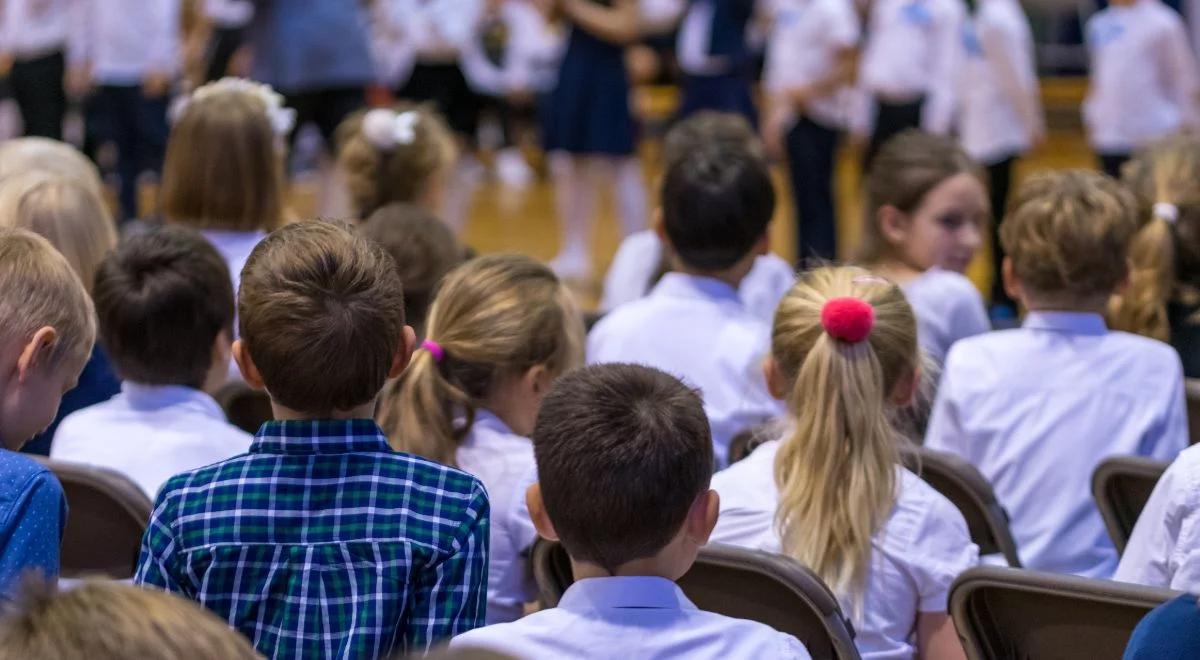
{"x":848,"y":319}
{"x":435,"y":349}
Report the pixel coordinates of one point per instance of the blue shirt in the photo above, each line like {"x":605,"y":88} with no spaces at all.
{"x":1036,"y":409}
{"x":1170,"y":632}
{"x":33,"y":512}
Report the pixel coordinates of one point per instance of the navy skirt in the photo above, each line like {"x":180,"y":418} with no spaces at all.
{"x":588,"y":111}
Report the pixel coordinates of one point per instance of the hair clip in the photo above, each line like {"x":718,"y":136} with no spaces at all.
{"x":848,"y":319}
{"x":435,"y":349}
{"x":282,"y":118}
{"x":1166,"y":212}
{"x":386,"y":129}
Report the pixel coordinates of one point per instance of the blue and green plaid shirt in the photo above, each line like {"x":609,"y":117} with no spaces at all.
{"x":322,"y":542}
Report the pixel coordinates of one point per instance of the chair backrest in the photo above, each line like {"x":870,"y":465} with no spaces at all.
{"x":1192,"y":387}
{"x":959,"y":482}
{"x":1009,"y":613}
{"x":107,"y":517}
{"x":1122,"y":486}
{"x":745,"y":584}
{"x":244,"y":407}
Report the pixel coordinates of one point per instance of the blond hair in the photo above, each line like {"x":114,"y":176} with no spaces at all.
{"x":836,"y":471}
{"x":1068,"y":235}
{"x":1167,"y":172}
{"x":224,"y":164}
{"x":38,"y":288}
{"x":38,"y":154}
{"x":495,"y":316}
{"x":380,"y":170}
{"x":64,"y":210}
{"x":102,"y":620}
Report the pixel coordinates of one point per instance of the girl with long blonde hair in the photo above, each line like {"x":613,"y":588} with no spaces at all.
{"x":831,"y":493}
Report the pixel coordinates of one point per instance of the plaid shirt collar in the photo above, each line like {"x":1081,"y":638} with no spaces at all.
{"x":348,"y":436}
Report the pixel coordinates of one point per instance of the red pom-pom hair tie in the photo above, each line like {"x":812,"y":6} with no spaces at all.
{"x":848,"y":319}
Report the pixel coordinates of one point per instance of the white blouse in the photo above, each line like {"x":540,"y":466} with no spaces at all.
{"x":1164,"y":550}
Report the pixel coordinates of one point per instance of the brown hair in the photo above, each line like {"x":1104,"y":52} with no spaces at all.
{"x":622,"y":453}
{"x":38,"y":288}
{"x":1068,"y":234}
{"x":103,"y":620}
{"x":162,"y":298}
{"x":495,"y":316}
{"x":321,"y":312}
{"x":424,"y":249}
{"x":907,"y":168}
{"x":1165,"y":253}
{"x":224,"y":165}
{"x":67,"y":212}
{"x":379,"y":175}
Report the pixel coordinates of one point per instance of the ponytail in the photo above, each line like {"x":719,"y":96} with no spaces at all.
{"x":1142,"y":307}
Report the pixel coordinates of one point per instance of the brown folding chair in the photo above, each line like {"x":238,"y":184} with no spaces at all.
{"x":745,"y":584}
{"x":1122,"y":486}
{"x":107,"y":517}
{"x":1009,"y":613}
{"x":244,"y":407}
{"x":1191,"y":387}
{"x":959,"y":482}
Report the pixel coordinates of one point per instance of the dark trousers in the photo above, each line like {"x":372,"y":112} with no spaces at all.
{"x":137,"y":126}
{"x":1111,"y":163}
{"x":721,"y":93}
{"x":326,"y":108}
{"x":37,"y":87}
{"x":891,"y":118}
{"x":811,"y":149}
{"x":221,"y":48}
{"x":999,"y":184}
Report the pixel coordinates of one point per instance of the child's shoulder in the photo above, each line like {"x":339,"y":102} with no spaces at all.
{"x":20,"y":470}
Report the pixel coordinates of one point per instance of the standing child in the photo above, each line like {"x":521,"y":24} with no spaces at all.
{"x":322,"y":541}
{"x":589,"y":129}
{"x":715,"y":59}
{"x":501,"y":330}
{"x":925,"y":212}
{"x":1144,"y":80}
{"x":832,"y":493}
{"x":1036,"y":409}
{"x":129,"y":51}
{"x":47,"y":327}
{"x":624,"y":462}
{"x":33,"y":40}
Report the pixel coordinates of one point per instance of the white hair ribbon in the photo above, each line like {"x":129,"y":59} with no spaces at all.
{"x":282,"y":118}
{"x":386,"y":129}
{"x":1166,"y":212}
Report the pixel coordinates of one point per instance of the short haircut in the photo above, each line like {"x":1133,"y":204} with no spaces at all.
{"x":717,"y":203}
{"x":708,"y":128}
{"x":162,"y":298}
{"x":1068,"y":234}
{"x":321,"y":312}
{"x":424,"y":249}
{"x":622,"y":453}
{"x":38,"y":288}
{"x":103,"y":620}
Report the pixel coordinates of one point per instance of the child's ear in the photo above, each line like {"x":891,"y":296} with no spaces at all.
{"x":250,"y":374}
{"x":776,"y":384}
{"x":893,"y":224}
{"x":660,"y":227}
{"x":538,"y":380}
{"x":222,"y":349}
{"x":537,"y":513}
{"x":408,"y":344}
{"x":1012,"y":284}
{"x":36,"y":351}
{"x":905,"y":391}
{"x":762,"y":247}
{"x":702,"y":517}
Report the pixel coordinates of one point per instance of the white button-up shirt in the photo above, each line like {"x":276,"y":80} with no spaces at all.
{"x":948,"y":308}
{"x":698,"y":329}
{"x":923,"y":546}
{"x":126,"y":40}
{"x":1144,"y":81}
{"x":150,"y":433}
{"x":1164,"y":550}
{"x":640,"y":255}
{"x":1036,"y":409}
{"x":503,"y":461}
{"x":33,"y":28}
{"x":806,"y":39}
{"x":620,"y":618}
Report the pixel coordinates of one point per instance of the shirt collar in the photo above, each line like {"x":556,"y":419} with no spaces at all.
{"x":153,"y":397}
{"x":1077,"y":323}
{"x":682,"y":285}
{"x":633,"y":592}
{"x":343,"y":436}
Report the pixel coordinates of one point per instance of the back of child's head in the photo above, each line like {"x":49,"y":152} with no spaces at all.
{"x":394,"y":155}
{"x":717,"y":204}
{"x":844,"y":344}
{"x":1165,"y":254}
{"x":495,"y":317}
{"x":162,"y":298}
{"x":706,"y":129}
{"x":38,"y":154}
{"x":224,"y":161}
{"x":105,"y":620}
{"x":903,"y":173}
{"x":424,"y":249}
{"x":66,"y":211}
{"x":1068,"y":234}
{"x":623,"y":451}
{"x":321,"y":314}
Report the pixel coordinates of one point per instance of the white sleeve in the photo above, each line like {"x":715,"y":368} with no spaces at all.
{"x":628,"y":277}
{"x":1155,"y":539}
{"x":945,"y":431}
{"x":660,"y":16}
{"x":1000,"y":51}
{"x":81,"y":40}
{"x":164,"y":25}
{"x":229,"y":12}
{"x":941,"y":552}
{"x":937,"y":115}
{"x":1181,"y":73}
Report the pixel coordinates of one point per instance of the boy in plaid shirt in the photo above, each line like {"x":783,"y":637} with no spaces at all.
{"x":322,"y":541}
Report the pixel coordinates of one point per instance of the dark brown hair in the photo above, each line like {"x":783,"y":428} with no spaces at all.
{"x":162,"y":297}
{"x":321,"y":312}
{"x":622,"y":453}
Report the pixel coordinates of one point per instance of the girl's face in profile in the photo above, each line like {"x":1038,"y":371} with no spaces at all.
{"x":946,"y":230}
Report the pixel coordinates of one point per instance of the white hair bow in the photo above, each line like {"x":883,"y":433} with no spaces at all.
{"x":282,"y":118}
{"x":1166,"y":212}
{"x":386,"y":129}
